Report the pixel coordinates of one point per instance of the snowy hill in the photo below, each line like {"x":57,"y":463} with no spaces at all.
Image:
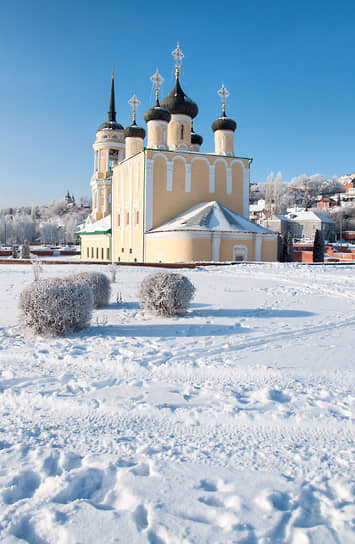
{"x":231,"y":424}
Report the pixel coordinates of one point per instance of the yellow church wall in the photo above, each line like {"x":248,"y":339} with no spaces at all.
{"x":200,"y":181}
{"x":95,"y":247}
{"x":227,"y":245}
{"x":174,"y":197}
{"x":128,"y":205}
{"x":269,"y":250}
{"x":171,"y":250}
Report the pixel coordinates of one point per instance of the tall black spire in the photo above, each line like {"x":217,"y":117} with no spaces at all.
{"x":111,"y":116}
{"x":112,"y":113}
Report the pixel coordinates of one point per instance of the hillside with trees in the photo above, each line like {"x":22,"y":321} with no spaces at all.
{"x":53,"y":224}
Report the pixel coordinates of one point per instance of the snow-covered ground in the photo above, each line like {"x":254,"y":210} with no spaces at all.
{"x":231,"y":424}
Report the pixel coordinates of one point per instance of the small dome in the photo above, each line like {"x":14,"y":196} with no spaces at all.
{"x":224,"y":123}
{"x":134,"y":131}
{"x":178,"y":102}
{"x":157,"y":113}
{"x":112,"y":125}
{"x":196,"y":138}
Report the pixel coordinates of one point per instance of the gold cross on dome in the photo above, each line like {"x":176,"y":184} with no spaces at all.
{"x":179,"y":55}
{"x":134,"y":103}
{"x":223,"y":93}
{"x":158,"y":80}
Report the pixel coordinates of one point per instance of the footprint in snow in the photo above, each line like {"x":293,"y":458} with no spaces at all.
{"x":208,"y":485}
{"x":22,"y":486}
{"x":140,"y":516}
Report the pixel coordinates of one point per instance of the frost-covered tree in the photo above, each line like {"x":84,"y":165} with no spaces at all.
{"x":98,"y":282}
{"x":55,"y":307}
{"x":25,"y":252}
{"x":269,"y":194}
{"x":165,"y":294}
{"x":277,"y":192}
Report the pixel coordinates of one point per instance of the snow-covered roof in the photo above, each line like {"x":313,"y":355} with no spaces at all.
{"x":308,"y":215}
{"x":102,"y":225}
{"x":279,"y":217}
{"x":210,"y":216}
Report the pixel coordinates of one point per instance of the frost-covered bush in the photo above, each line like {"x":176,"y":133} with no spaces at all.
{"x":165,"y":294}
{"x":99,"y":283}
{"x":55,"y":306}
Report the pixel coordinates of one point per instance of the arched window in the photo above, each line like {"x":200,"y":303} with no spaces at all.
{"x":182,"y":132}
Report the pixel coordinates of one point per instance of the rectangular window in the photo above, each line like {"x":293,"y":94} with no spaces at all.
{"x":108,"y":253}
{"x":118,"y":220}
{"x":97,"y":253}
{"x":127,"y":218}
{"x":130,"y":250}
{"x":102,"y":253}
{"x":137,"y":217}
{"x":92,"y":252}
{"x":87,"y":252}
{"x":122,"y":250}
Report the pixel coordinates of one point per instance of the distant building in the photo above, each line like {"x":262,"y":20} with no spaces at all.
{"x":69,"y":199}
{"x":301,"y":224}
{"x":328,"y":201}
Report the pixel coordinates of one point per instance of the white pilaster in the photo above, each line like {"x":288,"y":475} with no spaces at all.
{"x":246,"y":174}
{"x":229,"y":180}
{"x":169,"y":175}
{"x":123,"y":218}
{"x":188,"y":177}
{"x":106,"y":199}
{"x":130,"y":204}
{"x":149,"y":168}
{"x":257,"y":247}
{"x":211,"y":179}
{"x":216,"y":243}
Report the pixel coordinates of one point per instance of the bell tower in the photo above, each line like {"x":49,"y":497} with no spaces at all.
{"x":109,"y":150}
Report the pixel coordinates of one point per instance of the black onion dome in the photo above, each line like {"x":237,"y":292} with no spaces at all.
{"x":157,"y":113}
{"x":134,"y":131}
{"x":178,"y":102}
{"x":196,"y":138}
{"x":113,"y":125}
{"x":224,"y":123}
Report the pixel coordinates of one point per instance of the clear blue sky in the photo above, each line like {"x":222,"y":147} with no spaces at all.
{"x":289,"y":66}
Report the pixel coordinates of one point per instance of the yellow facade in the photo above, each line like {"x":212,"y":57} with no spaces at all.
{"x":96,"y":247}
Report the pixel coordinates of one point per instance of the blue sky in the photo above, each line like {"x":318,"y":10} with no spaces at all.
{"x":289,"y":67}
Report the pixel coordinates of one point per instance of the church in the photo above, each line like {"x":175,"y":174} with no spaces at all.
{"x":168,"y":201}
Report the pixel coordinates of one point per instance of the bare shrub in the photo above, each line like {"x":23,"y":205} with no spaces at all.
{"x":55,"y":306}
{"x":166,"y":294}
{"x":112,"y":268}
{"x":36,"y":269}
{"x":99,"y":283}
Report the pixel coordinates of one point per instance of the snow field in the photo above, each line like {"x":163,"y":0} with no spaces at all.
{"x":231,"y":424}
